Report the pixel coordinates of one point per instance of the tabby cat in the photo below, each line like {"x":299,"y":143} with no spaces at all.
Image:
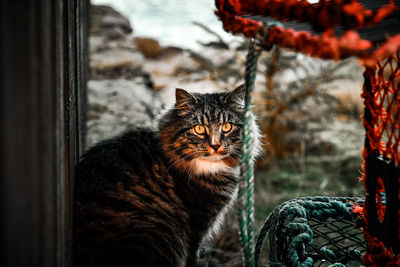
{"x":150,"y":198}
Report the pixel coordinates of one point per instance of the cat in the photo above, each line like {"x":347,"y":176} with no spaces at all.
{"x":152,"y":197}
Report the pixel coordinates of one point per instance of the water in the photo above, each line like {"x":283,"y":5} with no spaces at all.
{"x":170,"y":21}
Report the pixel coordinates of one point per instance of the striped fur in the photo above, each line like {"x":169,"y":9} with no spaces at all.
{"x":150,"y":198}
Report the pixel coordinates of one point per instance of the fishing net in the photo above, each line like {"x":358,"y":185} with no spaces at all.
{"x":381,"y":93}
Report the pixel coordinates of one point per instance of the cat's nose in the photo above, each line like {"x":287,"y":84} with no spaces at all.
{"x":215,"y":147}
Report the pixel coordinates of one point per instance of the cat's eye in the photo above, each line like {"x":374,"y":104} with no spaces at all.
{"x":226,"y":127}
{"x":199,"y":129}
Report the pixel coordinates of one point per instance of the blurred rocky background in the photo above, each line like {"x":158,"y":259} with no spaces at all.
{"x":309,"y":109}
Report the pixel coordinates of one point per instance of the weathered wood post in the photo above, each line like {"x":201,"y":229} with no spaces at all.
{"x":43,"y":97}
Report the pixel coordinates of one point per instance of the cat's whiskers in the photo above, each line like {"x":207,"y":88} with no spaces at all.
{"x":191,"y":169}
{"x":178,"y":159}
{"x":235,"y":154}
{"x":179,"y":152}
{"x":190,"y":173}
{"x":191,"y":153}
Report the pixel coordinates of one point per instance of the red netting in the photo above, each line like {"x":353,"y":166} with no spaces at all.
{"x":381,"y":95}
{"x":383,"y":103}
{"x":323,"y":16}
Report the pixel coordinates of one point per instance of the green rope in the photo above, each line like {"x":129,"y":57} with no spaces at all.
{"x":246,"y":184}
{"x":290,"y":232}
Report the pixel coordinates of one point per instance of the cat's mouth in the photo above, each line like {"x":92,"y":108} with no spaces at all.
{"x":215,"y":157}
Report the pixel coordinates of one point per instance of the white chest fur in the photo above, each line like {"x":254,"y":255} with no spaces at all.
{"x":206,"y":167}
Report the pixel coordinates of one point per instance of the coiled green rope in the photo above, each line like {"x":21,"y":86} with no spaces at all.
{"x":289,"y":227}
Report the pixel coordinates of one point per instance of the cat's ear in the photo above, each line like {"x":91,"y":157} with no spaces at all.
{"x":236,"y":96}
{"x":183,"y":98}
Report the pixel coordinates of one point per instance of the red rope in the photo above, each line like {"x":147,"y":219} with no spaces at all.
{"x":324,"y":15}
{"x":378,"y":254}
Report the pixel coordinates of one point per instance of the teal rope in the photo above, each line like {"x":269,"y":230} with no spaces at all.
{"x":290,"y":233}
{"x":245,"y":209}
{"x":246,"y":184}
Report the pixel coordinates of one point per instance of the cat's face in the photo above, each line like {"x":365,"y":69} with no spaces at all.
{"x":202,"y":134}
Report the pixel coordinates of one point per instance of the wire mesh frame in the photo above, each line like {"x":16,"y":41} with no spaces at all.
{"x":336,"y":234}
{"x":316,"y":231}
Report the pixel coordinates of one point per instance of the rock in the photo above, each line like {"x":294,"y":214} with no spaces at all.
{"x":150,"y":48}
{"x":121,"y":72}
{"x":118,"y":63}
{"x":168,"y":66}
{"x":114,"y":33}
{"x":115,"y":58}
{"x":117,"y":105}
{"x":171,"y":51}
{"x":102,"y":43}
{"x":106,"y":21}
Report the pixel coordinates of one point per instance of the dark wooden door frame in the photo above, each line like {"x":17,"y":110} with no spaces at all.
{"x":43,"y":98}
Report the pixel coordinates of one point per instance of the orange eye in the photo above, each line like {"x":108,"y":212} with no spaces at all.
{"x":199,"y":129}
{"x":226,"y":127}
